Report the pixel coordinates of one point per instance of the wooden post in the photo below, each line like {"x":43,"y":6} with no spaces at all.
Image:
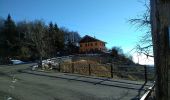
{"x":59,"y":67}
{"x":146,"y":78}
{"x":89,"y":67}
{"x":72,"y":66}
{"x":111,"y":70}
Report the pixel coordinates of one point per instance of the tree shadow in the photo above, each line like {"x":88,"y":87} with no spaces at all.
{"x":137,"y":97}
{"x":99,"y":82}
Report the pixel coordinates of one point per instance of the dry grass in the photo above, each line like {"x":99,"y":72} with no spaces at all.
{"x":85,"y":67}
{"x":82,"y":67}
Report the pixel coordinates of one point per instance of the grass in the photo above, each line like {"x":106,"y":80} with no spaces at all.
{"x":86,"y":68}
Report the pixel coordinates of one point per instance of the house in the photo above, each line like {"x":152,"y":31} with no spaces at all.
{"x":90,"y":44}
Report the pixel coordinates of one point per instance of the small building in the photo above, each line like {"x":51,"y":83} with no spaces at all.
{"x":90,"y":44}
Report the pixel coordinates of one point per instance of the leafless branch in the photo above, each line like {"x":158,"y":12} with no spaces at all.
{"x":143,"y":21}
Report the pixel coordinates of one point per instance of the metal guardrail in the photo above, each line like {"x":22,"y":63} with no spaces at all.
{"x":148,"y":93}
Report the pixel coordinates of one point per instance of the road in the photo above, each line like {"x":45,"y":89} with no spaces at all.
{"x":31,"y":85}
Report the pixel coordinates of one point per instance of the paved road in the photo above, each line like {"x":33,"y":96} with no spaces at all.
{"x":31,"y":85}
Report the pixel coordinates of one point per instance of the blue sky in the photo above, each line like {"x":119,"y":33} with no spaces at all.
{"x":105,"y":19}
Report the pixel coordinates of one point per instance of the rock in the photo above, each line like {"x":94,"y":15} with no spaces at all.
{"x":46,"y":66}
{"x":34,"y":67}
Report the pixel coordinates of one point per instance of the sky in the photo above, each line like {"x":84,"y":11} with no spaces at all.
{"x":107,"y":20}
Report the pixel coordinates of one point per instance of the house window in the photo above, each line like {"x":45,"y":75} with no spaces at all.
{"x":96,"y":43}
{"x":91,"y":44}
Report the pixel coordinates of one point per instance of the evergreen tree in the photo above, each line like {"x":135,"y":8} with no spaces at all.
{"x":9,"y":38}
{"x":10,"y":30}
{"x":48,"y":39}
{"x":33,"y":39}
{"x":59,"y":38}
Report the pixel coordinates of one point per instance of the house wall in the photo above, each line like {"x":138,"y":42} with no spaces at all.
{"x":92,"y":46}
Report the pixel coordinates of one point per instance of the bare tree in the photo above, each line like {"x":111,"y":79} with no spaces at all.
{"x":143,"y":22}
{"x":38,"y":31}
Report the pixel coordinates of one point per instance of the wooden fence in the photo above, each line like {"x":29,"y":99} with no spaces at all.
{"x":133,"y":72}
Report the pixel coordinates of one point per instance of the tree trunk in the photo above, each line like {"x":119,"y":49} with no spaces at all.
{"x":160,"y":20}
{"x":40,"y":62}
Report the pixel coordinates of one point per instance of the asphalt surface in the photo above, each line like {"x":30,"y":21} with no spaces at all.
{"x":20,"y":83}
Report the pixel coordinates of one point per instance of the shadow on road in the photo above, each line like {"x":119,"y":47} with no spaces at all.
{"x":137,"y":97}
{"x":100,"y":81}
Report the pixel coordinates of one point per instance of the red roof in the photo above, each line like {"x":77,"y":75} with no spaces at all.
{"x":89,"y":39}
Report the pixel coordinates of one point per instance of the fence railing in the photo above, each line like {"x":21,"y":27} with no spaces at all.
{"x":133,"y":72}
{"x":148,"y":93}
